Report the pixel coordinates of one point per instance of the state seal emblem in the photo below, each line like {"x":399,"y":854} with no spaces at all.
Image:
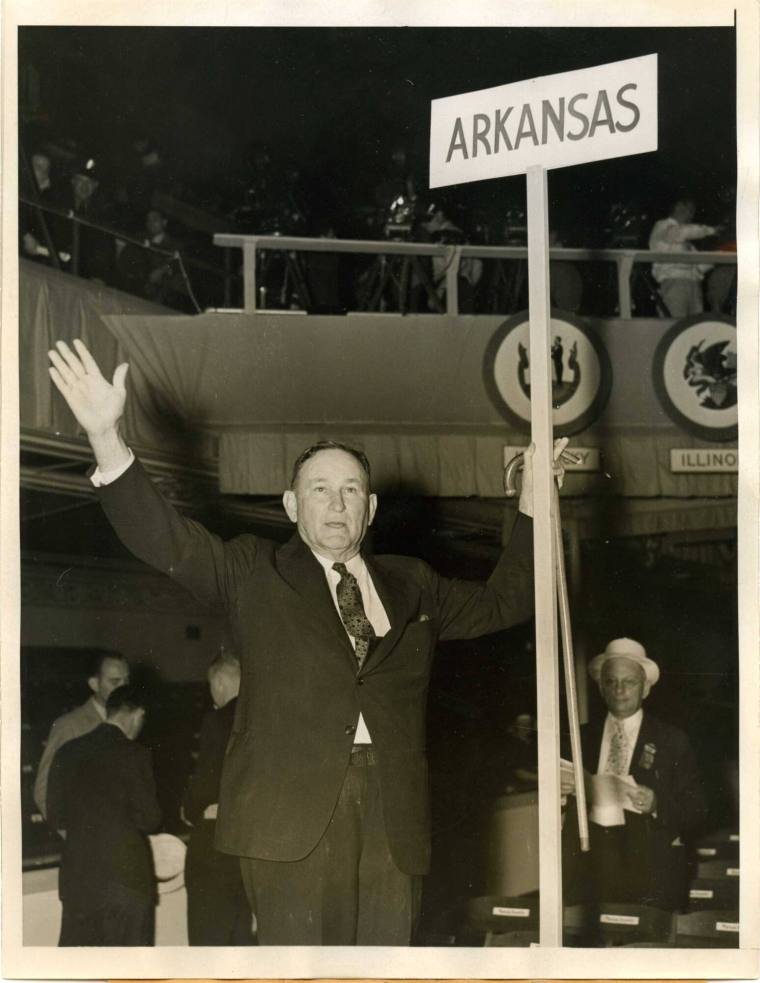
{"x":580,"y":367}
{"x":695,"y":376}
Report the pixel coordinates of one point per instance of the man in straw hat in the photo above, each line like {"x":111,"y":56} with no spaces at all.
{"x":644,"y":790}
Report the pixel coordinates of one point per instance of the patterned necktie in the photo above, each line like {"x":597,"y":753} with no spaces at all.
{"x":352,"y":613}
{"x":617,"y":758}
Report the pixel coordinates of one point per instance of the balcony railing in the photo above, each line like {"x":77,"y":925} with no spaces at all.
{"x":624,"y":261}
{"x":184,"y":263}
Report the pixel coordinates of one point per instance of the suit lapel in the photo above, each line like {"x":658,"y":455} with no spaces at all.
{"x":300,"y":569}
{"x":400,"y":605}
{"x":591,"y":742}
{"x":646,"y":736}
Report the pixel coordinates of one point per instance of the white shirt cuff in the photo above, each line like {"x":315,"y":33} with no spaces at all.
{"x":99,"y":477}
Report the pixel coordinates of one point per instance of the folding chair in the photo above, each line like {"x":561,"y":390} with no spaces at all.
{"x":579,"y":926}
{"x":719,"y":870}
{"x":708,"y":930}
{"x":618,"y":924}
{"x":490,"y":918}
{"x":720,"y":845}
{"x":706,"y":893}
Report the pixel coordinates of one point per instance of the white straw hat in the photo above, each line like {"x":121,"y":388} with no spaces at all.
{"x":625,"y":648}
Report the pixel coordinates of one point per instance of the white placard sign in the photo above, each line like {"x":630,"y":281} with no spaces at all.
{"x":555,"y":121}
{"x":704,"y":460}
{"x":588,"y":457}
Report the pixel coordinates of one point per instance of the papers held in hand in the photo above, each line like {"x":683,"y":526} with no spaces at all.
{"x":609,"y":795}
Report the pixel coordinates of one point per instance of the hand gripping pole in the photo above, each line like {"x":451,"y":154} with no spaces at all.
{"x":568,"y":658}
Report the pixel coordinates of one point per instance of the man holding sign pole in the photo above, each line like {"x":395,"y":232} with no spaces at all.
{"x":324,"y":784}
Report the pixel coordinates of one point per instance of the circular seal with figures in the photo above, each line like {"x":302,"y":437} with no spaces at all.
{"x":581,"y":372}
{"x":695,"y":376}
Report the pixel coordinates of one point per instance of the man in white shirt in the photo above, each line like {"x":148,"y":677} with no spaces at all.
{"x":680,"y":283}
{"x":637,"y":848}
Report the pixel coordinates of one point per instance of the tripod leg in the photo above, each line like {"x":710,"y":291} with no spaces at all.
{"x":433,"y":298}
{"x":382,"y":283}
{"x":299,"y":280}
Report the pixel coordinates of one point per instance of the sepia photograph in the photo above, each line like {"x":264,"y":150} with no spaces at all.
{"x":380,"y":445}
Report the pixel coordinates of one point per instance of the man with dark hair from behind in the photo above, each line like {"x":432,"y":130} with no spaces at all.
{"x":102,"y":799}
{"x":218,"y":912}
{"x":107,"y":670}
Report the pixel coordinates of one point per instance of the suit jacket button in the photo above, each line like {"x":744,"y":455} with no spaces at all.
{"x":359,"y":682}
{"x":350,"y":729}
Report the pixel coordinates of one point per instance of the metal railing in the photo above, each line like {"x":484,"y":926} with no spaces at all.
{"x":183,"y":261}
{"x":623,"y":259}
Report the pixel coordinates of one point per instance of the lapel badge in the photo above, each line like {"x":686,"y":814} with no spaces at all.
{"x":647,"y":756}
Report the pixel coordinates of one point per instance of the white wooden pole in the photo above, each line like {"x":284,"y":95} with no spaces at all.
{"x":547,"y":676}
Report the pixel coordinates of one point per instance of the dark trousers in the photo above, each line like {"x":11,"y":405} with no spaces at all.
{"x":119,"y":917}
{"x":626,"y":866}
{"x":218,"y":912}
{"x":348,"y":890}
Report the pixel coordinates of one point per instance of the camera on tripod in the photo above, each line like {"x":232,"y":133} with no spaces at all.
{"x":401,"y":217}
{"x":628,"y":226}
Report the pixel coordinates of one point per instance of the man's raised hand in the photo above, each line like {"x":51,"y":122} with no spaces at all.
{"x":97,"y":404}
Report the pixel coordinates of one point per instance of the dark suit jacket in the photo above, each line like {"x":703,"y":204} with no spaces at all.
{"x":300,"y":693}
{"x":203,"y":788}
{"x":101,"y":792}
{"x":663,"y":761}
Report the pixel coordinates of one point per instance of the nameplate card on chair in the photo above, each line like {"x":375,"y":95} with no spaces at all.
{"x":707,"y":851}
{"x":732,"y":871}
{"x":511,"y":912}
{"x":698,"y":892}
{"x":727,"y":926}
{"x":619,"y":919}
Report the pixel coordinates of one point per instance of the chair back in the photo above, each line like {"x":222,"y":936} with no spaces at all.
{"x":719,"y":869}
{"x":710,"y":929}
{"x":706,"y":893}
{"x":616,"y":924}
{"x":489,"y":916}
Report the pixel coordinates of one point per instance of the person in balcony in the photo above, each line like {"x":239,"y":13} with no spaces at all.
{"x":35,"y":223}
{"x":680,"y":283}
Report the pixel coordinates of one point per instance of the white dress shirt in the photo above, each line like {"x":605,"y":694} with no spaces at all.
{"x":99,"y":477}
{"x":671,"y":236}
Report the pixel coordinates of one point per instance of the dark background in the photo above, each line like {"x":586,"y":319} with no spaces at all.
{"x":334,"y":102}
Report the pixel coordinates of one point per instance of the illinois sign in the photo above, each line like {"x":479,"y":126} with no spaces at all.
{"x":694,"y":373}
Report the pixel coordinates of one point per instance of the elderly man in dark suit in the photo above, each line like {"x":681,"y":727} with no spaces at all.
{"x":324,"y":790}
{"x":102,"y":797}
{"x":218,"y":912}
{"x":638,"y":855}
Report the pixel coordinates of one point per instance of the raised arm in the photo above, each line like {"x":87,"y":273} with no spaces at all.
{"x":97,"y":404}
{"x":148,"y":525}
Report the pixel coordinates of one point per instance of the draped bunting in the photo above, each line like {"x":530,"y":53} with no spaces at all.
{"x":409,"y":390}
